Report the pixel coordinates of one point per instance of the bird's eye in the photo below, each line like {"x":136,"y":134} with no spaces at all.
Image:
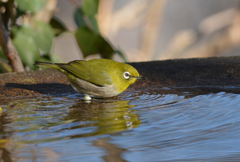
{"x":126,"y":75}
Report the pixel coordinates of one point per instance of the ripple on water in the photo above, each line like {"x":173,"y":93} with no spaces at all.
{"x":144,"y":125}
{"x":179,"y":128}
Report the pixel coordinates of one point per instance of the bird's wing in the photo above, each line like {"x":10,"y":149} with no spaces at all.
{"x":85,"y":71}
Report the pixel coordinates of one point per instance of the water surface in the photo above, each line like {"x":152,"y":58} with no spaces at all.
{"x":154,"y":125}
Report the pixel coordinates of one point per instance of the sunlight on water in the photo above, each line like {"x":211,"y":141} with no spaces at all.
{"x":139,"y":126}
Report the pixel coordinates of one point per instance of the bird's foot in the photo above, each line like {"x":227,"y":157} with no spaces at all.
{"x":87,"y":97}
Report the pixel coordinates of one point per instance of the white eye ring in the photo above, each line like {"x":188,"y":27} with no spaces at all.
{"x":126,"y":75}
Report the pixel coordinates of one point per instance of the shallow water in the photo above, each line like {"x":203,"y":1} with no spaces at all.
{"x":154,"y":125}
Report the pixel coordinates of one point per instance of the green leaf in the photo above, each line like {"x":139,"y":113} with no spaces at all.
{"x":90,"y":7}
{"x":43,"y":36}
{"x":94,"y":23}
{"x":79,"y":18}
{"x":54,"y":58}
{"x":25,"y":29}
{"x":31,"y":5}
{"x":27,"y":49}
{"x":92,"y":43}
{"x":29,"y":39}
{"x":87,"y":41}
{"x":58,"y":26}
{"x":41,"y":33}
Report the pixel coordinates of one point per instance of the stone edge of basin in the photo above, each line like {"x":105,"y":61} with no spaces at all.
{"x":215,"y":71}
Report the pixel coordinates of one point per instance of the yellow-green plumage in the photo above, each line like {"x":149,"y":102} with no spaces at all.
{"x":97,"y":77}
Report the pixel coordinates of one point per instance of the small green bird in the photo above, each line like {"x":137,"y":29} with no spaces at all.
{"x":98,"y":78}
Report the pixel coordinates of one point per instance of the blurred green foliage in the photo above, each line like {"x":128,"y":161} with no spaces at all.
{"x":88,"y":36}
{"x":31,"y":5}
{"x":33,"y":39}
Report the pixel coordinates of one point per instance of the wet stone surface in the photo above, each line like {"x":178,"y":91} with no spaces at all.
{"x":217,"y":72}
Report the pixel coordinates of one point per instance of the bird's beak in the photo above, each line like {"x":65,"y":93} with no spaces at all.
{"x":140,"y":77}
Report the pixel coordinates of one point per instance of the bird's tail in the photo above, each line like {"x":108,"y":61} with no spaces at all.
{"x":46,"y":64}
